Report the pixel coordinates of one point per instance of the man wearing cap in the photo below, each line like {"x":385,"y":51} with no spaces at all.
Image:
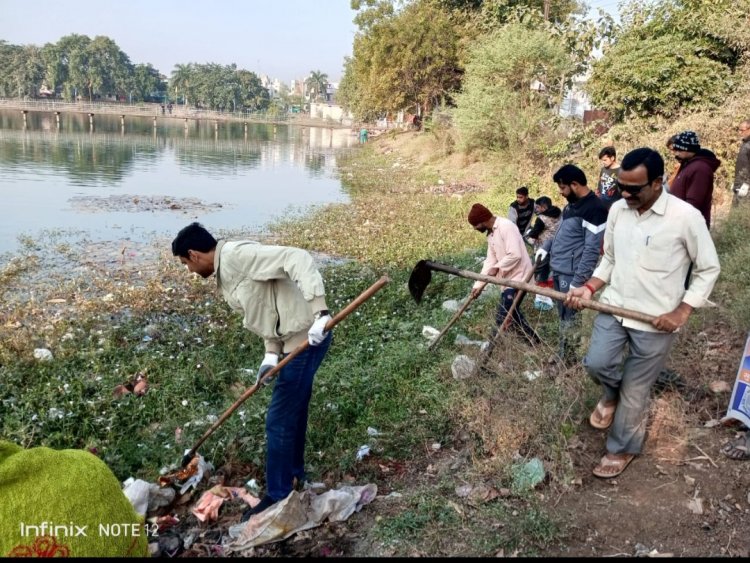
{"x":650,"y":241}
{"x":521,"y":210}
{"x":506,"y":258}
{"x":741,"y":185}
{"x":694,"y":181}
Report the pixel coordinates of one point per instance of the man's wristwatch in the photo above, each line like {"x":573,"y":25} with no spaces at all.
{"x":322,"y":313}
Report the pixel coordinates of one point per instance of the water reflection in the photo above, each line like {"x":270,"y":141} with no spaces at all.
{"x":255,"y":172}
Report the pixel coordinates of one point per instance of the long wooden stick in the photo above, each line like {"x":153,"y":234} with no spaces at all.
{"x":364,"y":296}
{"x":455,"y":317}
{"x":556,"y":295}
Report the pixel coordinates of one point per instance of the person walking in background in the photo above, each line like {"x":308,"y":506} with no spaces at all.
{"x":280,"y":294}
{"x":363,"y":134}
{"x":651,"y":240}
{"x":694,"y":181}
{"x":574,"y":250}
{"x":606,"y":187}
{"x":506,"y":258}
{"x":521,"y":210}
{"x":741,"y":185}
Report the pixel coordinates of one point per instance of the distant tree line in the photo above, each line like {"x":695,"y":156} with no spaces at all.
{"x":78,"y":67}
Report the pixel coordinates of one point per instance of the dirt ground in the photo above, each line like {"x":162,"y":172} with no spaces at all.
{"x":681,"y":498}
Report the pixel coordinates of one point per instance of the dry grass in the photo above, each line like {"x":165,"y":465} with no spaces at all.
{"x":667,"y":436}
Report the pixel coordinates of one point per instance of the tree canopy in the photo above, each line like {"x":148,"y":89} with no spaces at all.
{"x":513,"y":77}
{"x":402,"y":59}
{"x":669,"y":55}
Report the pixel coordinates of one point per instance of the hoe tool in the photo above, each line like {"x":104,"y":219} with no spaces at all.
{"x":421,"y":276}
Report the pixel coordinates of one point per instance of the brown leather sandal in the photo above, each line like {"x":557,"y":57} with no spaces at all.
{"x":603,"y":415}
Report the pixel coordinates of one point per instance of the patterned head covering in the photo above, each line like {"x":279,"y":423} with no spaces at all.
{"x":686,"y":141}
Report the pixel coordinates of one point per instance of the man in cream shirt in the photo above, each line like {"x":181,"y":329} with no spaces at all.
{"x":280,"y":294}
{"x":650,"y":241}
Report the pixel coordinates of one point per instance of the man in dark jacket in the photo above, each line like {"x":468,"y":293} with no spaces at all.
{"x":574,"y":250}
{"x":694,"y":182}
{"x":742,"y":166}
{"x":522,"y":209}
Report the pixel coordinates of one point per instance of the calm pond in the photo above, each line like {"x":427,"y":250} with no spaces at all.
{"x":142,"y":182}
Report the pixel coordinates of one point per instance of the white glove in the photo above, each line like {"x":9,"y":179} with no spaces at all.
{"x":317,"y":332}
{"x":270,"y":360}
{"x":540,"y":255}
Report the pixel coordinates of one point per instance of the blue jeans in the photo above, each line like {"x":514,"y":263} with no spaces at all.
{"x":286,"y":420}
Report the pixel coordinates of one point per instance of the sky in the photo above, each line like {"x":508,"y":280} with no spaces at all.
{"x":284,"y":39}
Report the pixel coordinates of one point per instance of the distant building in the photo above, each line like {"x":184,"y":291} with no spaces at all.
{"x":576,"y":100}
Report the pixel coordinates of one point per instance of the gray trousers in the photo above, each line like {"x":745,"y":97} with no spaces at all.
{"x":628,"y":383}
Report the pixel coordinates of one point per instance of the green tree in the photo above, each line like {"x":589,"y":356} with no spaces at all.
{"x":513,"y":80}
{"x":670,"y":54}
{"x":182,"y":82}
{"x":494,"y":13}
{"x":405,"y":59}
{"x":317,"y":83}
{"x":146,"y":81}
{"x":254,"y":96}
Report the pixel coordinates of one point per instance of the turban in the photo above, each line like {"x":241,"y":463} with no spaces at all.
{"x":479,"y":214}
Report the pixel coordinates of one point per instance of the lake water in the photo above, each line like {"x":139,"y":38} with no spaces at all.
{"x":144,"y":182}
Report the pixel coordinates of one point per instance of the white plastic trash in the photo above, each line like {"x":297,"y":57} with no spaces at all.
{"x":429,"y":332}
{"x":451,"y":305}
{"x":463,"y":367}
{"x":362,"y":452}
{"x":42,"y":354}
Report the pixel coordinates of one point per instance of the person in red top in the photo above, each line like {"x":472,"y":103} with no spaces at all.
{"x":694,"y":182}
{"x":506,"y":258}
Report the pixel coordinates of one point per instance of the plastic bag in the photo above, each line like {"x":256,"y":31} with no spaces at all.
{"x":543,"y":303}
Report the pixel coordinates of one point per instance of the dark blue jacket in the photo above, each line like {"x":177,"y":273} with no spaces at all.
{"x":575,"y":249}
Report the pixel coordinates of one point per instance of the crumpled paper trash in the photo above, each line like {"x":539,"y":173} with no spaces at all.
{"x":298,"y":512}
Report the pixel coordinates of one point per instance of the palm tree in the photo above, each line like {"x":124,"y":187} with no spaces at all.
{"x":182,"y":76}
{"x":317,"y":82}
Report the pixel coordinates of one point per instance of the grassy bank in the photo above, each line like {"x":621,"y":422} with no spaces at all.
{"x":106,"y":325}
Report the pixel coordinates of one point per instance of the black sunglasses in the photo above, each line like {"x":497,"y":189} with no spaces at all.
{"x":632,"y":190}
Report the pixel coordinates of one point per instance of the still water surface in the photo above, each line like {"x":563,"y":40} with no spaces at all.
{"x":76,"y":179}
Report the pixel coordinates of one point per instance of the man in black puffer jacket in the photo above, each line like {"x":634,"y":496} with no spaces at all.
{"x":574,"y":250}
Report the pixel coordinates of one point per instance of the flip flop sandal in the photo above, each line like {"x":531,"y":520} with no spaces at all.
{"x":738,"y":449}
{"x":618,"y":465}
{"x":602,"y":416}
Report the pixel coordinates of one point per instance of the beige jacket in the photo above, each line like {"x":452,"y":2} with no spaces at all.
{"x":278,"y":289}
